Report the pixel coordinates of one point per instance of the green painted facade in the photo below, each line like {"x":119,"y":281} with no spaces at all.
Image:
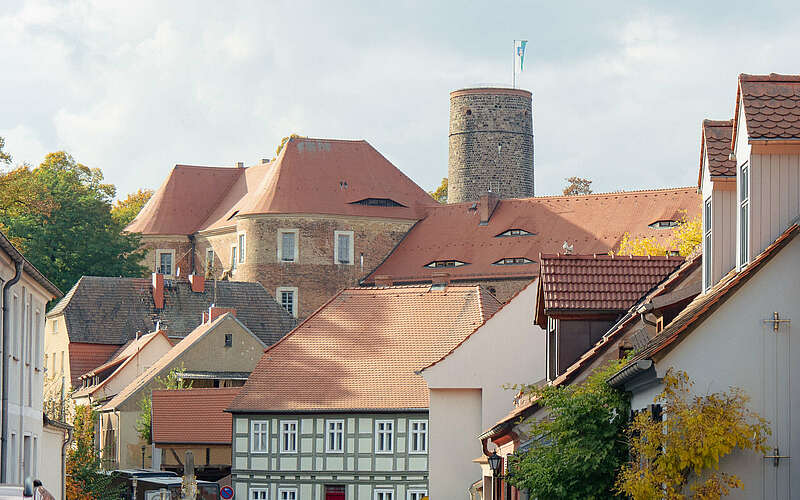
{"x":360,"y":468}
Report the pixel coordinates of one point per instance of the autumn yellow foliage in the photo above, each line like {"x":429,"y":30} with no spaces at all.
{"x":686,"y":236}
{"x":678,"y":458}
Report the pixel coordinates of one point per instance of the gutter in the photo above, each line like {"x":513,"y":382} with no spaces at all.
{"x":6,"y":338}
{"x":619,"y":379}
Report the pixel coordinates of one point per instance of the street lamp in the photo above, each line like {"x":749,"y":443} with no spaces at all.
{"x":495,"y":462}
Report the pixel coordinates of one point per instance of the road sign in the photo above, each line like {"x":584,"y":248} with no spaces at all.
{"x":226,"y":492}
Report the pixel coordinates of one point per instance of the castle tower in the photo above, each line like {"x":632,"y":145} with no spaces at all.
{"x":482,"y":119}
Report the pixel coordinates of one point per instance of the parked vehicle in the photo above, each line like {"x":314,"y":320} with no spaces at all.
{"x":142,"y":484}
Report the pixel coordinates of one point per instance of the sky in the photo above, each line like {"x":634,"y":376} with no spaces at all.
{"x":619,"y":88}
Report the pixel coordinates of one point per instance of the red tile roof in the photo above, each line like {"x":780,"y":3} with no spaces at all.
{"x":361,"y":350}
{"x":592,"y":223}
{"x":771,"y":105}
{"x":583,"y":283}
{"x":344,"y":173}
{"x":716,"y":139}
{"x":192,"y":416}
{"x":84,"y":357}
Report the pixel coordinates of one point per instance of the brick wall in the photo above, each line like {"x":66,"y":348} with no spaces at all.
{"x":480,"y":119}
{"x":181,"y":246}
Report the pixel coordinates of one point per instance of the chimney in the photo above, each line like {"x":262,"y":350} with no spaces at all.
{"x":383,"y":280}
{"x":158,"y":290}
{"x":215,"y":312}
{"x":239,"y":164}
{"x":440,"y":278}
{"x":486,"y":205}
{"x":198,"y":283}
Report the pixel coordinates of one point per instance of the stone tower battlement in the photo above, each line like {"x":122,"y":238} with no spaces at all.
{"x":481,"y":119}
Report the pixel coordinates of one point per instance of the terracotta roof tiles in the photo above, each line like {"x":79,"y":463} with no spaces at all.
{"x":361,"y":350}
{"x":192,"y":416}
{"x":716,"y":139}
{"x":771,"y":105}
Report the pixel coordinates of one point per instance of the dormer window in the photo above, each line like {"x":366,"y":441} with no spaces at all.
{"x":445,"y":263}
{"x":664,"y":224}
{"x":514,"y":232}
{"x":744,"y":214}
{"x":509,"y":261}
{"x":378,"y":202}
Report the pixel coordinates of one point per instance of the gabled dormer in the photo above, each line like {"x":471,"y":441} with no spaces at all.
{"x":766,"y":151}
{"x":717,"y":182}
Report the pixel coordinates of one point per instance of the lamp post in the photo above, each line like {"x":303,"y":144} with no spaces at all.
{"x":143,"y":448}
{"x":496,"y":464}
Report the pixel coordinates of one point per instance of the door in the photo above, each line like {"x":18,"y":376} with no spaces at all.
{"x":334,"y":492}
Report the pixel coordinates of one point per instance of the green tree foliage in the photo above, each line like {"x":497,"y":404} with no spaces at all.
{"x":172,"y":381}
{"x":678,"y":457}
{"x":440,"y":194}
{"x":59,"y":214}
{"x":124,"y":211}
{"x":4,"y":157}
{"x":84,"y":479}
{"x":580,"y":445}
{"x":577,"y":185}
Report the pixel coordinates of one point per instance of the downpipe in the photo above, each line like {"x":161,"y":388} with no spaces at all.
{"x":5,"y":343}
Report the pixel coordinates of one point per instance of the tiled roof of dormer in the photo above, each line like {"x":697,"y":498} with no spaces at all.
{"x":716,"y":139}
{"x":771,"y":105}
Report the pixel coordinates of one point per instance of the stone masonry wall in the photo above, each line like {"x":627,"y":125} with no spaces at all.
{"x":480,"y":120}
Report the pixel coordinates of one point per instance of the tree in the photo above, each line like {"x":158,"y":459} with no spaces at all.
{"x":440,"y":194}
{"x":577,"y":185}
{"x":59,"y":214}
{"x":283,"y":143}
{"x":686,"y":237}
{"x":124,"y":211}
{"x":579,"y":446}
{"x":4,"y":157}
{"x":84,"y":477}
{"x":678,"y":457}
{"x":172,"y":381}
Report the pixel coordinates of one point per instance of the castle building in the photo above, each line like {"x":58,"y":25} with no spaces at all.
{"x":491,"y":144}
{"x":306,"y":225}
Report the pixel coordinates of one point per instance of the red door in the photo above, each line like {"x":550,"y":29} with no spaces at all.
{"x":334,"y":493}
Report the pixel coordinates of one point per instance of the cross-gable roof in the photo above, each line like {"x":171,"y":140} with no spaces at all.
{"x":345,"y":174}
{"x":105,"y":310}
{"x":593,"y":223}
{"x":360,"y":351}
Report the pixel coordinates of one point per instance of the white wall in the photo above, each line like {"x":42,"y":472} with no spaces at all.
{"x":507,"y":349}
{"x":734,"y":347}
{"x":50,"y":460}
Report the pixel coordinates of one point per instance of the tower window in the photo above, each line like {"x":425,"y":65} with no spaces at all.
{"x":469,"y":112}
{"x":445,"y":263}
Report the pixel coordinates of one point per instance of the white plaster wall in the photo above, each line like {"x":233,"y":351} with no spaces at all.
{"x":50,"y":460}
{"x":141,"y":361}
{"x":734,"y":347}
{"x":507,"y":349}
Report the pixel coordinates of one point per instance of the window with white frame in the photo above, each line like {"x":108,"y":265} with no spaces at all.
{"x":383,"y":494}
{"x":744,"y":214}
{"x":287,"y":297}
{"x":343,"y":247}
{"x":707,"y":216}
{"x":259,"y":435}
{"x":384,"y":436}
{"x":334,"y":436}
{"x":259,"y":493}
{"x":287,"y":493}
{"x":288,"y":436}
{"x":234,"y":257}
{"x":416,"y":494}
{"x":241,"y":249}
{"x":417,"y":436}
{"x":165,"y":262}
{"x":287,"y":245}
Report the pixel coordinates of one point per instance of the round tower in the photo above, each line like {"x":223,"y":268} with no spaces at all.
{"x":491,"y":144}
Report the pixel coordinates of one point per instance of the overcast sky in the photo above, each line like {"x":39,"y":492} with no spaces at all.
{"x":136,"y":87}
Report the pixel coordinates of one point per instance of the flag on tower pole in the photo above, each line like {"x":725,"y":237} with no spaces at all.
{"x":519,"y":58}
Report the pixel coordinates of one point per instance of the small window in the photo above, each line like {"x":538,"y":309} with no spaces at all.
{"x":384,"y":436}
{"x":228,"y":340}
{"x":287,"y":493}
{"x":418,"y":436}
{"x":445,"y":263}
{"x":234,"y":258}
{"x":287,"y":245}
{"x":377,"y":202}
{"x":343,"y":249}
{"x":165,"y":261}
{"x":209,"y":259}
{"x":383,"y":494}
{"x":744,"y":214}
{"x":258,"y":436}
{"x":707,"y":219}
{"x":288,"y":436}
{"x":417,"y":494}
{"x":287,"y":297}
{"x":259,"y":494}
{"x":469,"y":112}
{"x":334,"y":436}
{"x":514,"y":232}
{"x":663,"y":224}
{"x":512,"y":260}
{"x":241,"y":249}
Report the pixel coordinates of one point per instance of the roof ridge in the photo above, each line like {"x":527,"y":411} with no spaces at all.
{"x":718,"y":123}
{"x":772,"y":77}
{"x":603,"y":256}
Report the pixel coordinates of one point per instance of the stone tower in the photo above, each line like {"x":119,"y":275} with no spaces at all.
{"x":482,"y":119}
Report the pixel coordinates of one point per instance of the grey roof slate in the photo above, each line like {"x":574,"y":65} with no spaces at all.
{"x":105,"y":310}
